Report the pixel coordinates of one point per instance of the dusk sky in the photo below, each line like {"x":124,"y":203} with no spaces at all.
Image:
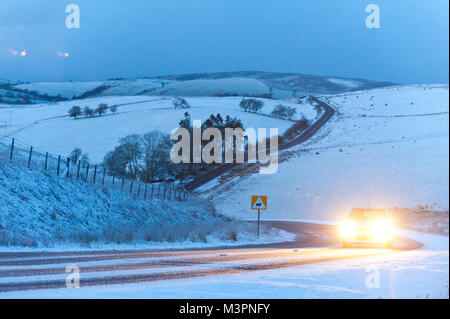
{"x":135,"y":38}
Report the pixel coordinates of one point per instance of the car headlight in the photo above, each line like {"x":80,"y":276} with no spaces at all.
{"x":347,"y":229}
{"x":381,"y":230}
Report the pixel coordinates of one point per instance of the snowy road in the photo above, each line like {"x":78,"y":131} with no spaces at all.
{"x":315,"y":243}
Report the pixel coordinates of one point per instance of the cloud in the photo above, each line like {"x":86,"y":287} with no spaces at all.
{"x":17,"y":52}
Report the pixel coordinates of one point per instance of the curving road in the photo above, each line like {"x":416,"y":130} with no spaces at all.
{"x":328,"y":113}
{"x":314,"y":243}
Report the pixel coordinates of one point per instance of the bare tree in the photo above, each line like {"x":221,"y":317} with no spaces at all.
{"x":75,"y":155}
{"x":88,"y":112}
{"x":75,"y":111}
{"x":131,"y":149}
{"x":156,"y":149}
{"x":290,"y":112}
{"x":180,"y":103}
{"x":102,"y":107}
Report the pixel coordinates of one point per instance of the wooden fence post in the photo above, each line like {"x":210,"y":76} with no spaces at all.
{"x":123,"y":181}
{"x":78,"y":169}
{"x":87,"y":171}
{"x":68,"y":167}
{"x":12,"y":150}
{"x":29,"y":156}
{"x":59,"y":163}
{"x":46,"y":162}
{"x":153,"y":186}
{"x":95,"y":173}
{"x":145,"y":191}
{"x":131,"y":186}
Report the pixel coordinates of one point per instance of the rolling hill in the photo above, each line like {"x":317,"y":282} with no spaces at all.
{"x":386,"y":147}
{"x":279,"y":85}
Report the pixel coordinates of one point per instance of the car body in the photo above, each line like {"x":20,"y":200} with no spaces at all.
{"x":367,"y":226}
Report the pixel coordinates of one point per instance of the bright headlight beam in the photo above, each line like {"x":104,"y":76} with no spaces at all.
{"x":347,"y":229}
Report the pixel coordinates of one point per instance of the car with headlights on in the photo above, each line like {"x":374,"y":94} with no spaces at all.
{"x":365,"y":226}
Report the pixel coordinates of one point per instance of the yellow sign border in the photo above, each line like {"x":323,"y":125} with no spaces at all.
{"x":255,"y":198}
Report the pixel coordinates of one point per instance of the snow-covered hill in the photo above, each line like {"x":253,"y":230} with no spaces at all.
{"x":48,"y":126}
{"x":384,"y":148}
{"x":280,"y":85}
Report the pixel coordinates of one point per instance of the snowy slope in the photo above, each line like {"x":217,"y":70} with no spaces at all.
{"x":231,"y":86}
{"x":201,"y":87}
{"x":42,"y":210}
{"x":384,"y":148}
{"x":49,"y":127}
{"x":64,"y":89}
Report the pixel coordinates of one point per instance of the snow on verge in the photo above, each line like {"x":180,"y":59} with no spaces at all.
{"x":45,"y":211}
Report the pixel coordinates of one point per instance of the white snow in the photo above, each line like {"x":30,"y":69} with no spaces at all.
{"x":65,"y":89}
{"x":38,"y":210}
{"x":421,"y":273}
{"x":48,"y":126}
{"x":369,"y":155}
{"x":348,"y":83}
{"x":202,"y":87}
{"x":236,"y":86}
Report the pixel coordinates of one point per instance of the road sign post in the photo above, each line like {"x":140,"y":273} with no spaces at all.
{"x":259,"y":217}
{"x":259,"y":203}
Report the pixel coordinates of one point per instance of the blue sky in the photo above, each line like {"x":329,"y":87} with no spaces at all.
{"x":134,"y":38}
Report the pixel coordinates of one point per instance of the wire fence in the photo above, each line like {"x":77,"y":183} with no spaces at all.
{"x":26,"y":156}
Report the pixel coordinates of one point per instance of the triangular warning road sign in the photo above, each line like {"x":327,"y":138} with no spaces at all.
{"x":259,"y":203}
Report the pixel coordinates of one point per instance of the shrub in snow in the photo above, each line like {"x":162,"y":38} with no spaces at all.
{"x":180,"y":103}
{"x":113,"y":108}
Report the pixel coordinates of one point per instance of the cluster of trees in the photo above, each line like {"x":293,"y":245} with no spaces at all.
{"x":76,"y":111}
{"x":141,"y":157}
{"x":251,"y":105}
{"x":180,"y":103}
{"x":213,"y":121}
{"x":284,"y":112}
{"x":147,"y":157}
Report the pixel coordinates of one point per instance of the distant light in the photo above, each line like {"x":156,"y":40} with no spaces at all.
{"x":23,"y":53}
{"x":63,"y":54}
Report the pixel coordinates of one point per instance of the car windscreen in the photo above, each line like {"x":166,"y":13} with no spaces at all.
{"x":367,"y":214}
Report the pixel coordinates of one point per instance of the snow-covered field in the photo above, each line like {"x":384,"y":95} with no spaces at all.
{"x":197,"y":87}
{"x":421,"y":273}
{"x":65,"y":89}
{"x":384,"y":148}
{"x":48,"y":126}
